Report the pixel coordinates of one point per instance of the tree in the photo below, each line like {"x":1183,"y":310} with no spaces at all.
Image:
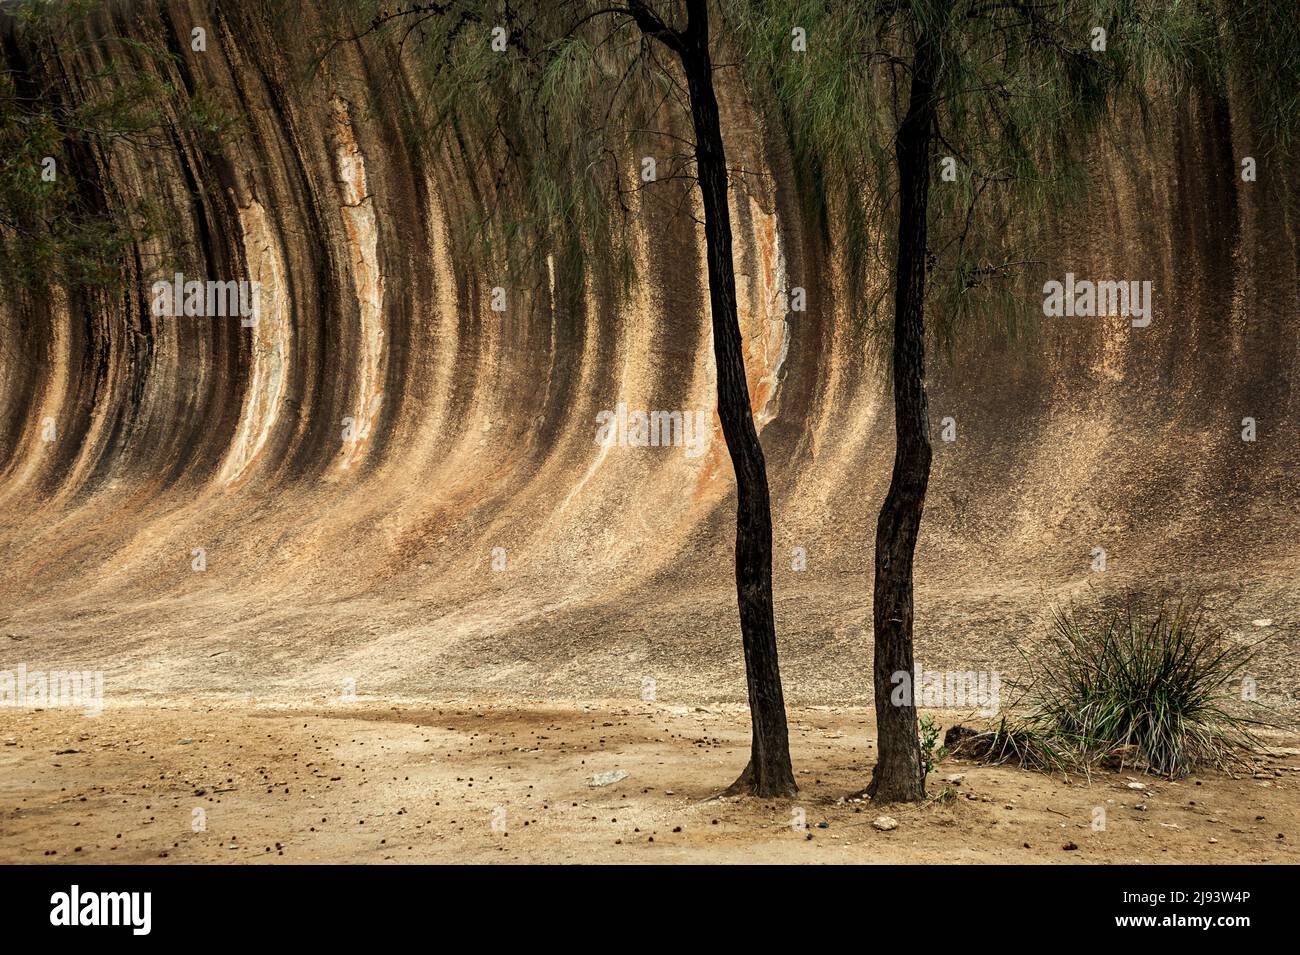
{"x":1007,"y":88}
{"x":769,"y":772}
{"x":557,"y":70}
{"x":900,"y":772}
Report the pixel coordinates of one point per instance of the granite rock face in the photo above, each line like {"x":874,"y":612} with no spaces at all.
{"x":389,"y":482}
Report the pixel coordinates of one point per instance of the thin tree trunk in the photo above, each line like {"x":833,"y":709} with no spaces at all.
{"x":899,"y":774}
{"x":769,"y":772}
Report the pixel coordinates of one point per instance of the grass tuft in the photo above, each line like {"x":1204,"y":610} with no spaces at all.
{"x":1150,"y":686}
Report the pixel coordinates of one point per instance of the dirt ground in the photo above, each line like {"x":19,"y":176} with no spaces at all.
{"x":384,"y":781}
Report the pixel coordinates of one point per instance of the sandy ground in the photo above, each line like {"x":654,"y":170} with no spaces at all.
{"x":382,"y":781}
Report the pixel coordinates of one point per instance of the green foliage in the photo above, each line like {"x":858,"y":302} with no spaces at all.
{"x":553,"y":128}
{"x":556,"y":123}
{"x":931,"y":751}
{"x":74,"y":229}
{"x":1020,"y":92}
{"x":1264,"y":44}
{"x":1150,"y":685}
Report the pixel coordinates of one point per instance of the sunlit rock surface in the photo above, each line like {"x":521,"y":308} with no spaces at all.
{"x":351,"y":465}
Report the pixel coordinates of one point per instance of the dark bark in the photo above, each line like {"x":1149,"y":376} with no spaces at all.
{"x":899,"y":774}
{"x":769,"y":772}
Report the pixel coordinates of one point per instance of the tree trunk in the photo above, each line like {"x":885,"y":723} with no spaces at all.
{"x":899,"y":774}
{"x":769,"y":772}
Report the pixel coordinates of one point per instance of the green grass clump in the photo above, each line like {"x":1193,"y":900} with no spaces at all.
{"x":1151,"y":687}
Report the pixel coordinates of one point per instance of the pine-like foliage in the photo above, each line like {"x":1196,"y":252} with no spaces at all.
{"x":1023,"y":89}
{"x":63,"y":131}
{"x":550,"y":109}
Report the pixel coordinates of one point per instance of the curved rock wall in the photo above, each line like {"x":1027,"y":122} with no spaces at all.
{"x":393,"y":483}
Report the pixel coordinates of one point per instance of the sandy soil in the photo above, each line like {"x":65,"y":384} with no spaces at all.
{"x":383,"y":781}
